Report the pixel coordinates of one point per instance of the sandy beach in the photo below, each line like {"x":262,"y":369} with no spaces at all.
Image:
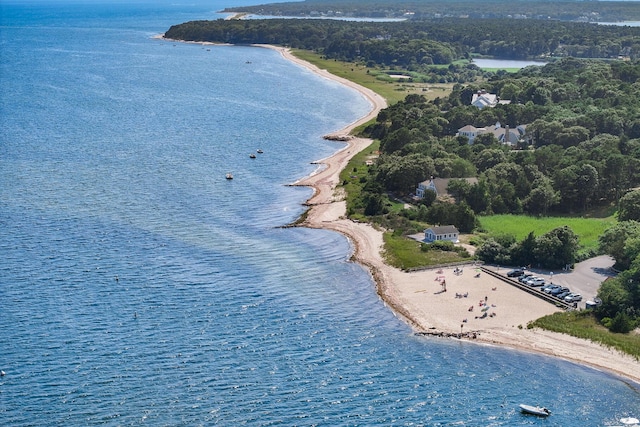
{"x":418,"y":297}
{"x":482,"y":309}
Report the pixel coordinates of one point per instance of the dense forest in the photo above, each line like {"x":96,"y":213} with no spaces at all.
{"x":582,"y":119}
{"x":416,"y":45}
{"x":588,"y":11}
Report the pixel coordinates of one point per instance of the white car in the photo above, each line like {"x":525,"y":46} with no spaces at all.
{"x":532,"y":279}
{"x":538,"y":281}
{"x":573,"y":297}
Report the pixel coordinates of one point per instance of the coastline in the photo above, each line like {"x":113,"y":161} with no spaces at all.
{"x":417,"y":297}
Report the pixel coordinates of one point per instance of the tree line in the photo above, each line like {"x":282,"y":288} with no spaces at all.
{"x":609,"y":11}
{"x":420,"y":44}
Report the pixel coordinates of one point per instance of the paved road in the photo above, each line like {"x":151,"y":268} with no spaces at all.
{"x":584,"y":279}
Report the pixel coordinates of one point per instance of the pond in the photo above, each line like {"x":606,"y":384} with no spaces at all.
{"x":504,"y":64}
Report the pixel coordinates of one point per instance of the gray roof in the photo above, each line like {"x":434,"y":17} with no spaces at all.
{"x":443,"y":229}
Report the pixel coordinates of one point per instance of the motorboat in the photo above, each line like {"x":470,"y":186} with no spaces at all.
{"x":253,"y":156}
{"x":630,"y":421}
{"x":229,"y":175}
{"x":535,"y":410}
{"x":260,"y":151}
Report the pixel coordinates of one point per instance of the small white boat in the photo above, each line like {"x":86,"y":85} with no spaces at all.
{"x":229,"y":175}
{"x":535,"y":410}
{"x":629,"y":421}
{"x":260,"y":151}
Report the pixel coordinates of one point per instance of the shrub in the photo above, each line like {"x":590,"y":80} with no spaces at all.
{"x":621,"y":323}
{"x":443,"y":245}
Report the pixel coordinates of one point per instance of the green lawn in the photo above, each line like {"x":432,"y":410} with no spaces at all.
{"x":377,"y":80}
{"x":587,"y":229}
{"x":404,"y":253}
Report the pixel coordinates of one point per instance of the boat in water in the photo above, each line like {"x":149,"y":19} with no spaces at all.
{"x":229,"y":175}
{"x":260,"y":151}
{"x":253,"y":156}
{"x":535,"y":410}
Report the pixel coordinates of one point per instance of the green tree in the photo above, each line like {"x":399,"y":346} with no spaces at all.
{"x":522,"y":253}
{"x":557,"y":248}
{"x":541,"y":197}
{"x":612,"y":242}
{"x":587,"y":182}
{"x":493,"y":252}
{"x":629,"y":206}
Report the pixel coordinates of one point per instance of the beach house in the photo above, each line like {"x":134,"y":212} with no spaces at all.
{"x":441,"y":232}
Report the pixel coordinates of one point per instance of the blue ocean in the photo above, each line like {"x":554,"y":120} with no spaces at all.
{"x":138,"y":286}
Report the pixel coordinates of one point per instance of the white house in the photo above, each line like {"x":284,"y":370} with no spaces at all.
{"x":482,"y":99}
{"x":470,"y":132}
{"x":441,"y":232}
{"x":504,"y":135}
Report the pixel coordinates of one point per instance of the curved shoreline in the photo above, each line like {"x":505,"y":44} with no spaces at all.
{"x":424,"y":307}
{"x":417,"y":297}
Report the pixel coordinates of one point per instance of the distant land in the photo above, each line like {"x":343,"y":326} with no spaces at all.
{"x":581,"y":11}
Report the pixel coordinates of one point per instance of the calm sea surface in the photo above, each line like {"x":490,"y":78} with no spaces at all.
{"x":138,"y":286}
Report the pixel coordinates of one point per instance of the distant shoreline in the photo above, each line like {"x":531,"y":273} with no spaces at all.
{"x":417,"y":296}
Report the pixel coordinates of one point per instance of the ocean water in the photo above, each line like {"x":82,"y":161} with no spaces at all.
{"x":139,"y":287}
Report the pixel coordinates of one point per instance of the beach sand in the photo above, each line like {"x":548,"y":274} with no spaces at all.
{"x":418,"y":297}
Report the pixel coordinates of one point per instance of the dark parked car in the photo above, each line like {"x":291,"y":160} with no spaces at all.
{"x":559,"y":290}
{"x":515,"y":273}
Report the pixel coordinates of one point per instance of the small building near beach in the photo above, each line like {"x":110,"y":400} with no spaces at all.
{"x":441,"y":232}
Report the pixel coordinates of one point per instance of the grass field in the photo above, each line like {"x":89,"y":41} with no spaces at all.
{"x":587,"y":229}
{"x":392,"y":90}
{"x":405,"y":253}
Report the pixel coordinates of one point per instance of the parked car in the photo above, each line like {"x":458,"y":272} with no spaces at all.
{"x":561,"y":295}
{"x":516,"y":272}
{"x":525,"y":277}
{"x":573,"y":297}
{"x":559,"y":290}
{"x":550,"y":288}
{"x":537,"y":282}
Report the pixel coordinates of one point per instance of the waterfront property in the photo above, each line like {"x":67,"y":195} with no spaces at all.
{"x":440,"y":233}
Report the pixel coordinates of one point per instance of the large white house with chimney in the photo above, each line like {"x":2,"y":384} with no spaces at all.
{"x":482,"y":99}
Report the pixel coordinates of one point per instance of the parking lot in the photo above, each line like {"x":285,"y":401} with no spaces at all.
{"x":585,"y":278}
